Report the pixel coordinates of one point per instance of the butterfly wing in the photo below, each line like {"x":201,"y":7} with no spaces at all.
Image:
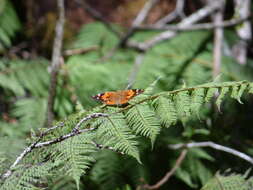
{"x":106,"y":98}
{"x":118,"y":97}
{"x":129,"y":94}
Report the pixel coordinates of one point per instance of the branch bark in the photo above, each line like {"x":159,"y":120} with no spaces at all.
{"x":214,"y":146}
{"x":202,"y":26}
{"x":242,"y":9}
{"x":200,"y":14}
{"x":96,"y":15}
{"x":55,"y":63}
{"x":169,"y":173}
{"x":173,"y":15}
{"x":218,"y":40}
{"x":37,"y":144}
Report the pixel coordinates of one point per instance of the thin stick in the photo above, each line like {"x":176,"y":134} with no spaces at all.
{"x":91,"y":116}
{"x":218,"y":40}
{"x":138,"y":21}
{"x":96,"y":15}
{"x":37,"y":144}
{"x":202,"y":26}
{"x":169,"y":173}
{"x":78,"y":51}
{"x":136,"y":68}
{"x":56,"y":61}
{"x":178,"y":11}
{"x":200,"y":14}
{"x":214,"y":146}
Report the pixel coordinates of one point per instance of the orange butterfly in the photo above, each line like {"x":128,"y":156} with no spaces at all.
{"x":117,"y":97}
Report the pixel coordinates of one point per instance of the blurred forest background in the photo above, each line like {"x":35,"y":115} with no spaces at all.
{"x":55,"y":55}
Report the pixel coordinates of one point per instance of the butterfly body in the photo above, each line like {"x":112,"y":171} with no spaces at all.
{"x":117,"y":97}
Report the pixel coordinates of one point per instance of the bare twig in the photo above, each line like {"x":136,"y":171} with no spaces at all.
{"x":218,"y":40}
{"x":100,"y":146}
{"x":202,"y":26}
{"x":38,"y":144}
{"x":44,"y":133}
{"x":63,"y":137}
{"x":144,"y":12}
{"x":178,"y":11}
{"x":242,"y":9}
{"x":70,"y":52}
{"x":56,"y":60}
{"x":91,"y":116}
{"x":200,"y":14}
{"x":169,"y":173}
{"x":214,"y":146}
{"x":136,"y":67}
{"x":138,"y":21}
{"x":96,"y":15}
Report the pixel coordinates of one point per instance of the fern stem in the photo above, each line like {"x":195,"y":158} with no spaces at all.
{"x":213,"y":85}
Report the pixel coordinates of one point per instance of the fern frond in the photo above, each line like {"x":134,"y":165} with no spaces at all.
{"x":114,"y":131}
{"x":108,"y":170}
{"x":210,"y":93}
{"x":75,"y":153}
{"x":9,"y":23}
{"x":143,"y":121}
{"x":166,"y":111}
{"x":20,"y":76}
{"x":31,"y":112}
{"x":231,"y":182}
{"x":27,"y":177}
{"x":197,"y":100}
{"x":183,"y":100}
{"x":223,"y":92}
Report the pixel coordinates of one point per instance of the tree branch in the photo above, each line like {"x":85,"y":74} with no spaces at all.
{"x":200,"y":14}
{"x":214,"y":146}
{"x":202,"y":26}
{"x":136,"y":68}
{"x":218,"y":40}
{"x":178,"y":11}
{"x":37,"y":143}
{"x":96,"y":15}
{"x":56,"y":61}
{"x":169,"y":173}
{"x":138,"y":21}
{"x":242,"y":8}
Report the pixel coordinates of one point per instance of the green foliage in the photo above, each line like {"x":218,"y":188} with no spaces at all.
{"x":120,"y":131}
{"x":193,"y":170}
{"x":230,"y":182}
{"x":114,"y":131}
{"x":25,"y":86}
{"x":29,"y":177}
{"x":9,"y":24}
{"x":143,"y":121}
{"x":75,"y":155}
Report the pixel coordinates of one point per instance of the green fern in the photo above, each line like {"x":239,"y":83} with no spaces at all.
{"x":115,"y":132}
{"x":28,"y":177}
{"x":166,"y":110}
{"x":231,"y":182}
{"x":75,"y":153}
{"x":143,"y":121}
{"x":18,"y":76}
{"x":9,"y":24}
{"x":31,"y":112}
